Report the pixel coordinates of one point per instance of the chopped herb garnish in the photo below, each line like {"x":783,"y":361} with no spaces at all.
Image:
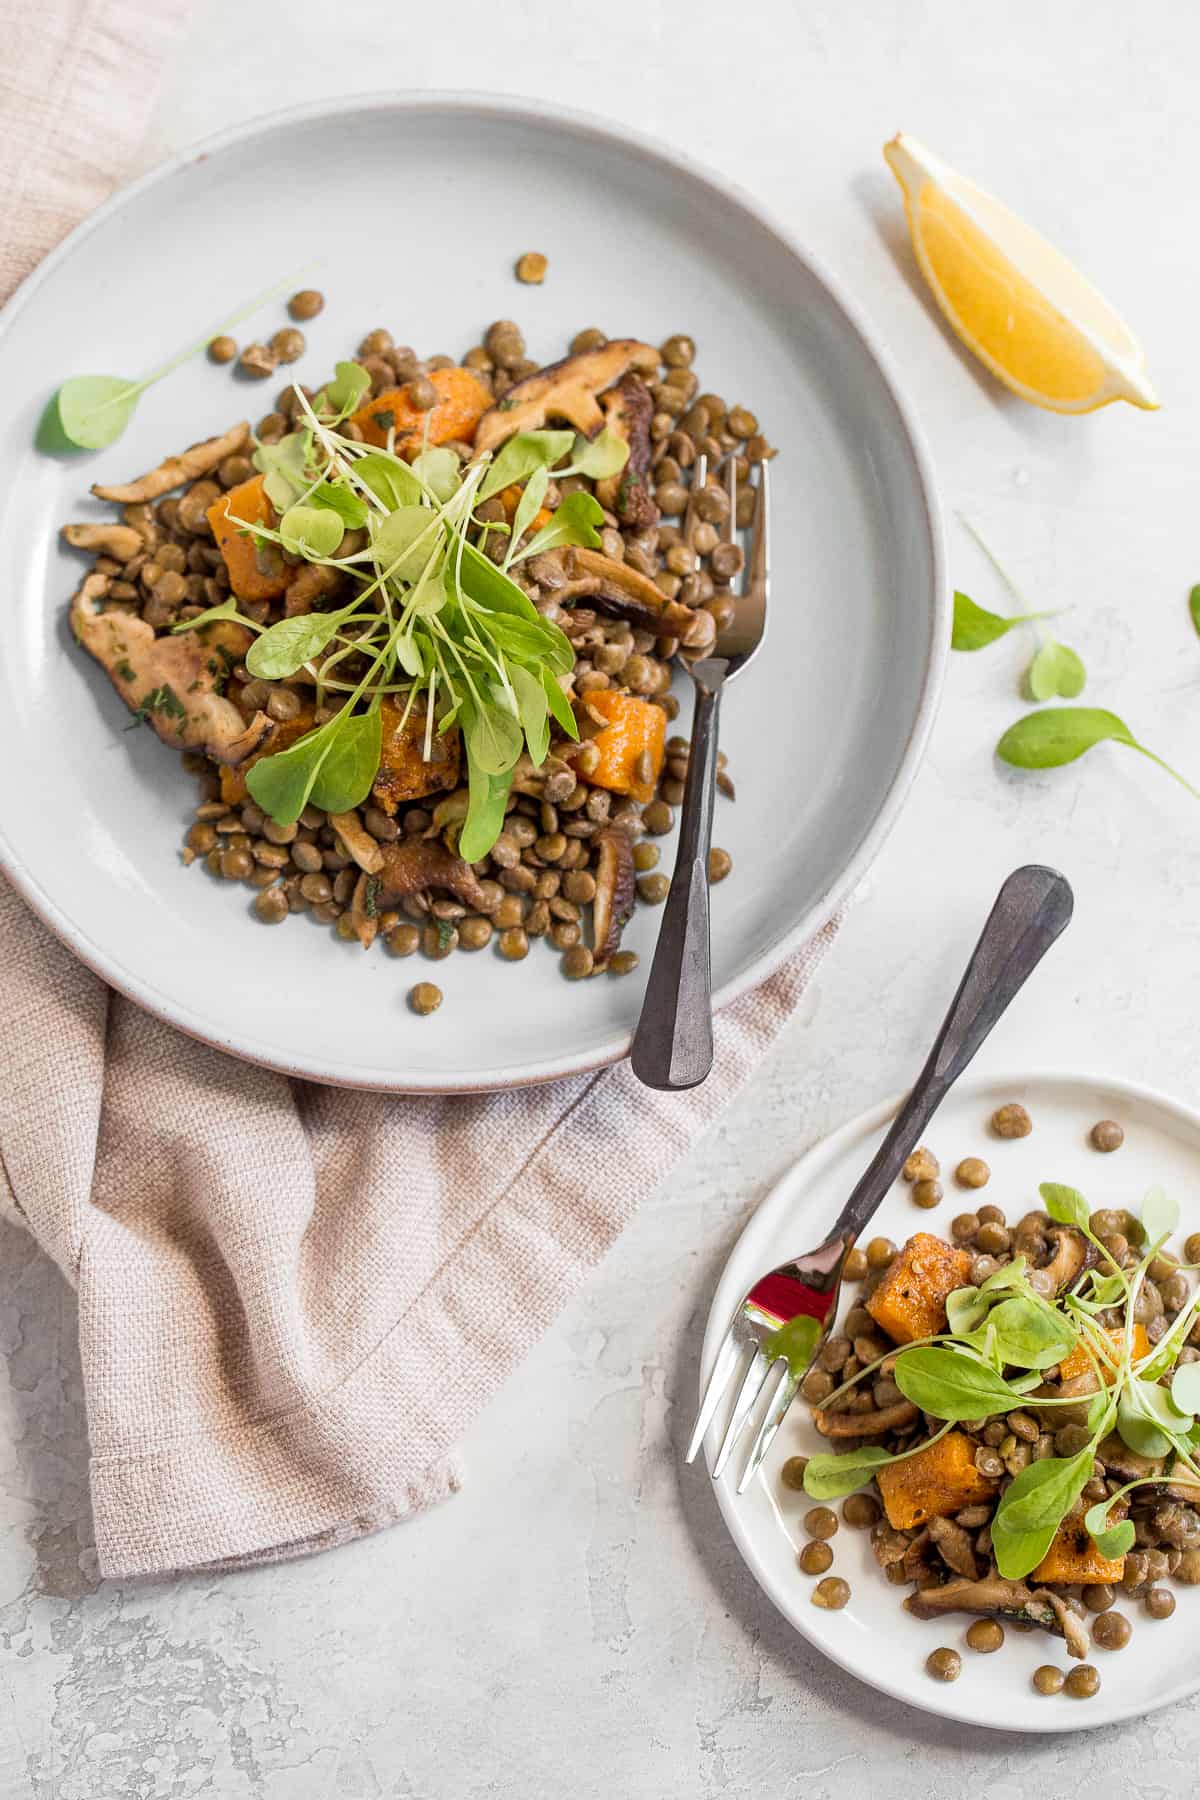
{"x":385,"y":418}
{"x":125,"y":670}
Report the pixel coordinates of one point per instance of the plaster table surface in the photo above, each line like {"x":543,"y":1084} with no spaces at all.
{"x":577,"y":1619}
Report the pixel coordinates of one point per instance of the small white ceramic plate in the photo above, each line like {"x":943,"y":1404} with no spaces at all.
{"x":425,"y":202}
{"x":874,"y":1638}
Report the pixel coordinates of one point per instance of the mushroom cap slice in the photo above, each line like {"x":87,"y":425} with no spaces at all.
{"x":614,"y":588}
{"x":563,"y":390}
{"x":865,"y":1424}
{"x":628,"y":409}
{"x":615,"y":889}
{"x":420,"y":863}
{"x":996,"y":1598}
{"x":189,"y":465}
{"x":172,"y":682}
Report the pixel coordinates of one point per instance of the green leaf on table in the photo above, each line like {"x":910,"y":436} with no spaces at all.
{"x":288,"y":645}
{"x":527,"y":451}
{"x":1055,"y":672}
{"x":949,"y":1384}
{"x":975,"y":628}
{"x":1160,"y":1215}
{"x":93,"y":410}
{"x":1061,"y":734}
{"x":1065,"y":1205}
{"x":310,"y":530}
{"x":1033,"y":1507}
{"x":1194,"y":609}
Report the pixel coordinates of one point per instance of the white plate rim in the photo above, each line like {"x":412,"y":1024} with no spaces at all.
{"x":522,"y":109}
{"x":761,"y":1223}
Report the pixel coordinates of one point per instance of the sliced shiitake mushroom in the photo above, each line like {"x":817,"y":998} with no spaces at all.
{"x":107,"y":539}
{"x":628,"y":409}
{"x":613,"y":588}
{"x":615,"y":892}
{"x":420,"y":863}
{"x":563,"y":390}
{"x":189,"y":465}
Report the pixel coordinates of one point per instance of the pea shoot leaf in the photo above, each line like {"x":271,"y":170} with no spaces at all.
{"x":439,"y":470}
{"x":1110,"y":1540}
{"x":1054,"y":672}
{"x":350,"y":507}
{"x":533,"y":709}
{"x":1185,"y":1387}
{"x":228,"y":609}
{"x":391,"y":481}
{"x":521,"y":456}
{"x":1160,"y":1215}
{"x":312,"y":530}
{"x":288,"y":645}
{"x":406,"y":540}
{"x":601,"y":458}
{"x":283,"y":467}
{"x":93,"y":410}
{"x":575,"y":521}
{"x":350,"y":383}
{"x":345,"y":775}
{"x":1065,"y":1205}
{"x":829,"y":1477}
{"x":1032,"y":1508}
{"x":950,"y":1384}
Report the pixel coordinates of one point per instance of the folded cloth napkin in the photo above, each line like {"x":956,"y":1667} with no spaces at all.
{"x":292,"y":1299}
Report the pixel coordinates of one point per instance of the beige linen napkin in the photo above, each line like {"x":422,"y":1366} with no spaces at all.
{"x":292,"y":1299}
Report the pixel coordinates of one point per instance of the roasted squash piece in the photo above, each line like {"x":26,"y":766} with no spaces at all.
{"x":404,"y":773}
{"x":1073,"y":1555}
{"x":933,"y":1484}
{"x":1079,"y":1363}
{"x":910,"y":1301}
{"x":634,"y":726}
{"x":234,"y":791}
{"x":245,"y":504}
{"x":462,"y":401}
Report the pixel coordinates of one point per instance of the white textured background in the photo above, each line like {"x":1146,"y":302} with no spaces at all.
{"x":576,"y":1621}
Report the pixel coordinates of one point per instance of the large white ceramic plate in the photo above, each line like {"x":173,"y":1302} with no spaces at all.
{"x":874,"y":1638}
{"x":424,"y":202}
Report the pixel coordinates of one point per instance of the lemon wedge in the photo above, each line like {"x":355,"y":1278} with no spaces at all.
{"x":1013,"y":298}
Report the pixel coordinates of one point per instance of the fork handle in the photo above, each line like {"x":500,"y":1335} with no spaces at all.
{"x":1032,"y":908}
{"x":673,"y":1044}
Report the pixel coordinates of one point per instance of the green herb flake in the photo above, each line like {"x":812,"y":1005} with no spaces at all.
{"x":385,"y":418}
{"x":125,"y":670}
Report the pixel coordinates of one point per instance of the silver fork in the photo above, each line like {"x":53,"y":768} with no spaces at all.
{"x":673,"y":1044}
{"x":783,"y":1317}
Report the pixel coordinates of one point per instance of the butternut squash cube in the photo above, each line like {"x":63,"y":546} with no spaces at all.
{"x":1073,"y":1556}
{"x":910,"y":1301}
{"x":1079,"y":1362}
{"x":934,"y":1483}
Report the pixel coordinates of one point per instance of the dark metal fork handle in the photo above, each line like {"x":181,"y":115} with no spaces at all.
{"x":673,"y":1046}
{"x":1032,"y":908}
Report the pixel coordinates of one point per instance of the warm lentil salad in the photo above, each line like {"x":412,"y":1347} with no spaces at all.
{"x":1013,"y":1413}
{"x":414,"y":635}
